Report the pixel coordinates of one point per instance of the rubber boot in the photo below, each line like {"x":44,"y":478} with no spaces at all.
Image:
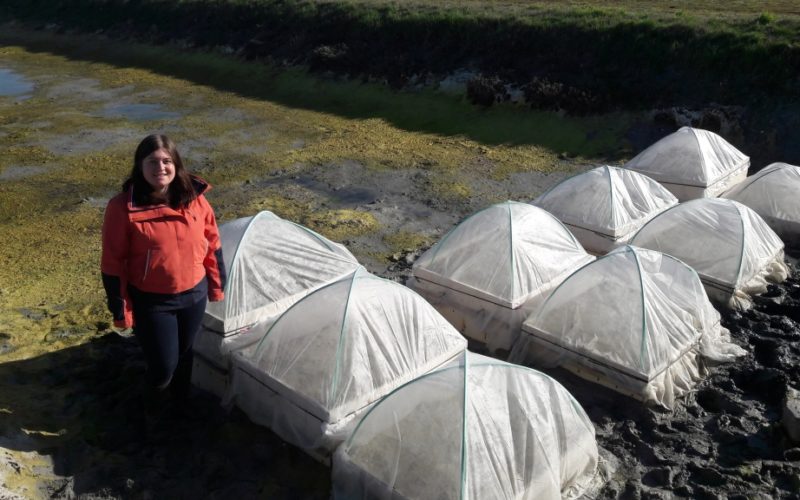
{"x":188,"y":404}
{"x":181,"y":385}
{"x":156,"y":409}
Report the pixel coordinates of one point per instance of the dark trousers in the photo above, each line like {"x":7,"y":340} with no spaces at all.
{"x":166,"y":338}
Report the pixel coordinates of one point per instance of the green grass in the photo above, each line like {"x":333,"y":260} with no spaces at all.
{"x":596,"y":8}
{"x":628,"y":53}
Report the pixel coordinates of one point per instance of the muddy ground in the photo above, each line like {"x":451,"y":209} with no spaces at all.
{"x":723,"y":441}
{"x":70,"y":408}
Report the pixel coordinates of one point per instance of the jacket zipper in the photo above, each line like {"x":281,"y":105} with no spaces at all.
{"x":146,"y":264}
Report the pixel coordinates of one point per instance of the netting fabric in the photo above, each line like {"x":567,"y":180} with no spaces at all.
{"x":692,"y":163}
{"x":774,"y":194}
{"x":636,"y":320}
{"x":729,"y":245}
{"x":336,"y":352}
{"x":605,"y":206}
{"x":476,"y":429}
{"x":486,"y":273}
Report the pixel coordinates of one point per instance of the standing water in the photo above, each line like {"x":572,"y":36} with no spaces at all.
{"x":13,"y":84}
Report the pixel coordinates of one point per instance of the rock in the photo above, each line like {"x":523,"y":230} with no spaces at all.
{"x":791,"y":414}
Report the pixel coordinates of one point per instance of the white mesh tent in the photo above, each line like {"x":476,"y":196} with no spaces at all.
{"x":487,"y":273}
{"x":774,"y":194}
{"x":333,"y":354}
{"x":476,"y":429}
{"x":692,"y":163}
{"x":636,"y":320}
{"x":605,"y":206}
{"x":271,"y":263}
{"x":729,"y":245}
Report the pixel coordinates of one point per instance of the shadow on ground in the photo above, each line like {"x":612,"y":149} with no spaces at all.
{"x":82,"y":407}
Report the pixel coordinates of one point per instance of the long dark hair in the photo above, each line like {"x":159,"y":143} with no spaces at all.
{"x":180,"y":192}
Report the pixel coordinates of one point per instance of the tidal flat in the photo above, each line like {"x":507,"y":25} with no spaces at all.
{"x":71,"y":122}
{"x":383,"y":172}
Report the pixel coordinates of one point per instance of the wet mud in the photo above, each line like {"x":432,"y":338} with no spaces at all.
{"x":726,"y":438}
{"x":71,"y":423}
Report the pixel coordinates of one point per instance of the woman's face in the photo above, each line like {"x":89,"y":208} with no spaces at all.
{"x":158,"y":170}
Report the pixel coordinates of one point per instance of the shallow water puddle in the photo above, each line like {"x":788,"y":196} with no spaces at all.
{"x":12,"y":84}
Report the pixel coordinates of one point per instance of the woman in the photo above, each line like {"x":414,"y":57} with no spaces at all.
{"x":161,"y":260}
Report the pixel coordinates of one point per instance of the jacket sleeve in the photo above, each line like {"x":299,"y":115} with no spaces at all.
{"x":213,"y":262}
{"x":113,"y":264}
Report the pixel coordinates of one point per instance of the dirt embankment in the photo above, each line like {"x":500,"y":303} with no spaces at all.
{"x":583,"y":62}
{"x":737,"y":77}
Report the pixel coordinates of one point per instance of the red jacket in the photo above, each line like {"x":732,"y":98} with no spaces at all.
{"x":159,"y":249}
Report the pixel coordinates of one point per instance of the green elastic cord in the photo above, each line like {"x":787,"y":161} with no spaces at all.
{"x":611,"y":194}
{"x":319,"y":237}
{"x":741,"y":248}
{"x":232,"y":277}
{"x":643,"y":349}
{"x":464,"y":432}
{"x":340,"y":346}
{"x":492,"y":363}
{"x":702,"y":156}
{"x":757,"y":178}
{"x":259,"y":347}
{"x":511,"y":252}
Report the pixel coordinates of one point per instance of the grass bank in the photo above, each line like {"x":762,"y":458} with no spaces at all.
{"x":585,"y":56}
